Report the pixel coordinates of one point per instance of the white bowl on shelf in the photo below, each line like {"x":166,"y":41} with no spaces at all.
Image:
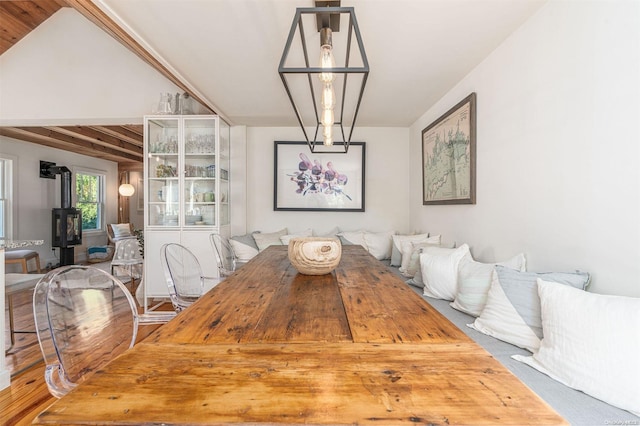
{"x":191,"y":219}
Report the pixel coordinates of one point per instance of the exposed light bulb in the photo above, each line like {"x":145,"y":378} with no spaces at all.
{"x":327,"y":117}
{"x":328,"y":101}
{"x":328,"y":98}
{"x":327,"y":60}
{"x":328,"y":135}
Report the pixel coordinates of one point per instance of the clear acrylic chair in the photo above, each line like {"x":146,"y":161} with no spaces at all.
{"x":225,"y":256}
{"x":84,"y":318}
{"x":184,"y":275}
{"x":127,"y":261}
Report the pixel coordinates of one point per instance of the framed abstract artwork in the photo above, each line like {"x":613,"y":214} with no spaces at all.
{"x":318,"y":181}
{"x":449,"y":156}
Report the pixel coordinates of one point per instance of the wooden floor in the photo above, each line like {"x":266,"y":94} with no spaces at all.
{"x":28,"y":394}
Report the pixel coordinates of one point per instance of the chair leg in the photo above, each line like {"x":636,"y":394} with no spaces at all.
{"x":12,"y":328}
{"x":38,"y":268}
{"x":25,"y":267}
{"x":11,"y":331}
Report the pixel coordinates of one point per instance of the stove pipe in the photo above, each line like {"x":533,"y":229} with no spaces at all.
{"x":65,"y":185}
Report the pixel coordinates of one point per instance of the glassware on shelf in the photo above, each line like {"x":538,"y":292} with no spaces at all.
{"x":166,"y":170}
{"x":164,"y":105}
{"x":165,"y":145}
{"x":192,"y":170}
{"x":200,"y":144}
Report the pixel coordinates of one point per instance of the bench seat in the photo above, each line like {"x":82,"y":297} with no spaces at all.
{"x":578,"y":408}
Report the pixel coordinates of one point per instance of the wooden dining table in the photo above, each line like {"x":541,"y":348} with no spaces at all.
{"x":271,"y":346}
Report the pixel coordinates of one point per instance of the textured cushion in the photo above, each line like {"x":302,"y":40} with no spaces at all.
{"x":264,"y":240}
{"x":591,"y":343}
{"x":121,"y":230}
{"x":379,"y":244}
{"x":19,"y":254}
{"x":439,"y":268}
{"x":406,"y":248}
{"x":396,"y":248}
{"x":244,"y":246}
{"x":474,"y":281}
{"x":99,"y":253}
{"x":353,"y":238}
{"x":411,"y":261}
{"x":286,"y":238}
{"x":512,"y":311}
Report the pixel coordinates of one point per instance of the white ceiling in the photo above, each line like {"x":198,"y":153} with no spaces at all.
{"x":228,"y":50}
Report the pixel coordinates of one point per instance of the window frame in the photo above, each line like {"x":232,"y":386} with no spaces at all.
{"x":10,"y":180}
{"x":102,"y":179}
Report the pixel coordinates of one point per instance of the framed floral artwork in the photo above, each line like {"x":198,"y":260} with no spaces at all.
{"x":318,"y":181}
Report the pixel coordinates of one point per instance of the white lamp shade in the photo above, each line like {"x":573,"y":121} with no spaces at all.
{"x":126,"y":190}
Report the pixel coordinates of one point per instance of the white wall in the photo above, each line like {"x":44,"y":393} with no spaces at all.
{"x":557,"y":147}
{"x":386,"y":183}
{"x":68,"y":71}
{"x":35,"y":196}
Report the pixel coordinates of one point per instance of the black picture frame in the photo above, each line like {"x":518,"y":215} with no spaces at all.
{"x":318,"y":181}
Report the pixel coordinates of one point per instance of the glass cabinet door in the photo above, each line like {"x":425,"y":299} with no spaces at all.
{"x":187,"y":171}
{"x":223,"y":178}
{"x":162,"y":172}
{"x":200,"y":171}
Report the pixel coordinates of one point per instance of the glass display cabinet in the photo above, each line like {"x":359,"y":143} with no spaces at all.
{"x":186,"y":184}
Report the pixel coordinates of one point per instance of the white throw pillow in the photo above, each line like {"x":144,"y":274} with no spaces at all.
{"x":243,"y":252}
{"x":286,"y":238}
{"x":411,"y":263}
{"x":379,"y":244}
{"x":121,"y":230}
{"x":244,"y":246}
{"x":355,"y":238}
{"x":439,"y":268}
{"x":512,"y":311}
{"x":406,"y":247}
{"x":417,"y":280}
{"x":396,"y":248}
{"x":474,"y":281}
{"x":264,"y":240}
{"x":591,"y":343}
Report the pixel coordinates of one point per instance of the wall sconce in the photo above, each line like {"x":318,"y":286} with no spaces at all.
{"x":323,"y":79}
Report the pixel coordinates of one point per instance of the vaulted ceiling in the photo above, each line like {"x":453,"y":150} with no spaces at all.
{"x":418,"y":50}
{"x":121,"y":144}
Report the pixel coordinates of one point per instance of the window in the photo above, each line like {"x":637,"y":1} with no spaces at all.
{"x":6,"y":198}
{"x":90,"y":199}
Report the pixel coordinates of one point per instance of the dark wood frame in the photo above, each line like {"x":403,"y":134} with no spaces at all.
{"x":471,"y":131}
{"x":355,"y":149}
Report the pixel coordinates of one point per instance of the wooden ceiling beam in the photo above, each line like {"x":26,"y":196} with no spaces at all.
{"x":121,"y":133}
{"x":42,"y":136}
{"x":96,"y":137}
{"x":135,"y":128}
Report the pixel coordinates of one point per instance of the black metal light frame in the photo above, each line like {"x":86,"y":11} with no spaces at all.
{"x":325,"y":14}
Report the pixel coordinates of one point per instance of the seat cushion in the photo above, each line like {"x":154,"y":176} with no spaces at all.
{"x":14,"y":283}
{"x":19,"y":254}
